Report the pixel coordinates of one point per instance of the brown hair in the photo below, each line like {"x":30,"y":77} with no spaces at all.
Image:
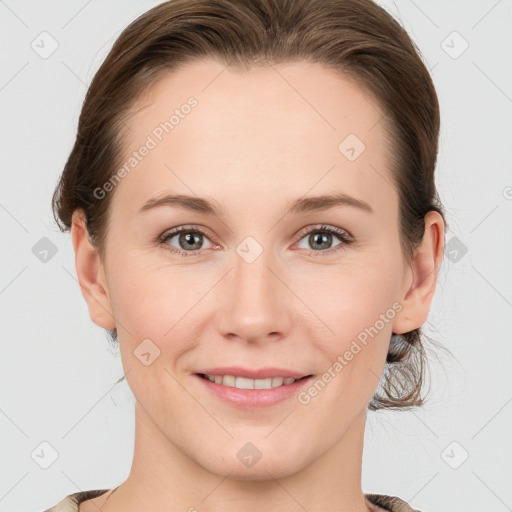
{"x":357,"y":38}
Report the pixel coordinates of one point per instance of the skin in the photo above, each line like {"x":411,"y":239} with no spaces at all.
{"x":257,"y":140}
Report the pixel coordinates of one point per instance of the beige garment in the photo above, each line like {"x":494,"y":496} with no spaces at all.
{"x":381,"y":502}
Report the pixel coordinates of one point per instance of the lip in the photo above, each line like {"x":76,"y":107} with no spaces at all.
{"x":263,"y":373}
{"x":252,"y":398}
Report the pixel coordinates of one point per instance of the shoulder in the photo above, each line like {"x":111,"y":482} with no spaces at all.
{"x":70,"y":503}
{"x":390,"y":503}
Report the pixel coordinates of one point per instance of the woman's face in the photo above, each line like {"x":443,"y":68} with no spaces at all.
{"x":254,"y":281}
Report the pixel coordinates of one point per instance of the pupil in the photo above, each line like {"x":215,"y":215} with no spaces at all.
{"x":322,"y":239}
{"x":190,"y":240}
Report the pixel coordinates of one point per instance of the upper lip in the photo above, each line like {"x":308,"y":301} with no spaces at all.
{"x":263,"y":373}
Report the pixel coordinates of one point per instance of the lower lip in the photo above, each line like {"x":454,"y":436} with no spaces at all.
{"x":253,"y":398}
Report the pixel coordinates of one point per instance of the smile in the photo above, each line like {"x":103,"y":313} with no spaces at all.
{"x":245,"y":383}
{"x":251,"y":394}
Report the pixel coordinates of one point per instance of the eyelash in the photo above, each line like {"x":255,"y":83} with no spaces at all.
{"x":344,"y":236}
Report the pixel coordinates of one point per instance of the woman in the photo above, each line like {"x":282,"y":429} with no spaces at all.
{"x":253,"y":210}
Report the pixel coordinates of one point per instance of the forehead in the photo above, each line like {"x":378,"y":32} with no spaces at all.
{"x":258,"y":132}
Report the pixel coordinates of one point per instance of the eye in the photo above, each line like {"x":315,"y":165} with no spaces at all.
{"x":189,"y":240}
{"x":321,"y":240}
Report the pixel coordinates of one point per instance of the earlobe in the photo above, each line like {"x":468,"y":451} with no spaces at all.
{"x":90,"y":273}
{"x":420,"y":286}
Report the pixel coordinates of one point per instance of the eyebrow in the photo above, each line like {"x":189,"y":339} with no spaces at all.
{"x":302,"y":205}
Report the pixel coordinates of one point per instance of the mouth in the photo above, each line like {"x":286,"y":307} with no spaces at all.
{"x":247,"y":383}
{"x":251,"y":389}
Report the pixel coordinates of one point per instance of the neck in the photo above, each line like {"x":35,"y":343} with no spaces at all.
{"x":164,"y":479}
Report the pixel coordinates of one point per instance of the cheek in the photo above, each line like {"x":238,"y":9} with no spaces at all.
{"x":354,"y":305}
{"x":152,"y":301}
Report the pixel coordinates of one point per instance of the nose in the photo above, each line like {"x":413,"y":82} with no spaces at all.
{"x":255,"y":303}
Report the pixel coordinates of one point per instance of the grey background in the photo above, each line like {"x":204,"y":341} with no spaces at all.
{"x":57,"y":370}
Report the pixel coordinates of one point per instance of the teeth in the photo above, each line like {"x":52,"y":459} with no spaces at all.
{"x":244,"y":383}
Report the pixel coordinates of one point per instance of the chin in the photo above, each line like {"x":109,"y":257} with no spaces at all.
{"x":273,"y":465}
{"x":260,"y":472}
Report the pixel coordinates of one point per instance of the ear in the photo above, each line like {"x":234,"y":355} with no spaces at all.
{"x":420,"y":284}
{"x":90,"y":273}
